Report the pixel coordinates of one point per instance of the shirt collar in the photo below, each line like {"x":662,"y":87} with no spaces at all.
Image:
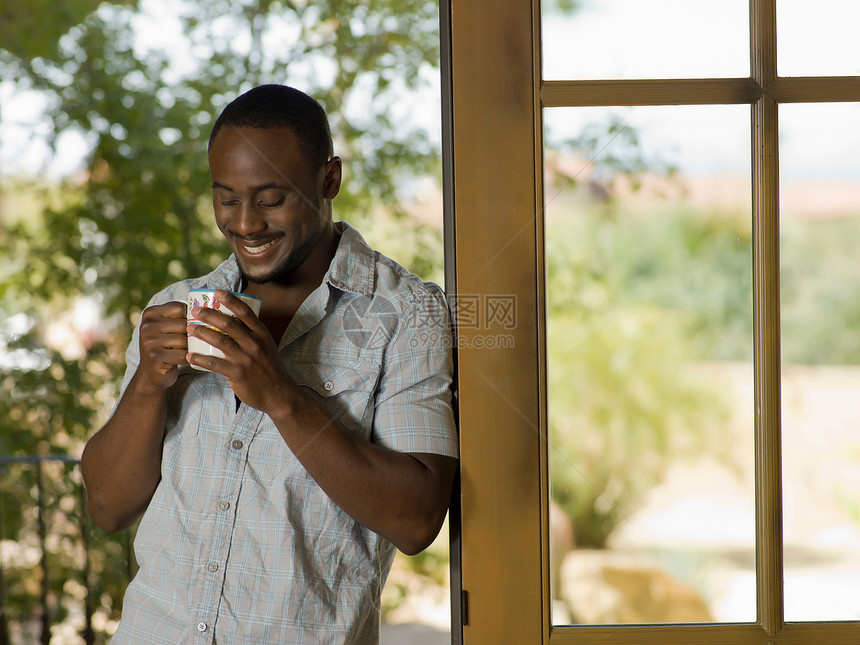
{"x":354,"y":265}
{"x":227,"y":276}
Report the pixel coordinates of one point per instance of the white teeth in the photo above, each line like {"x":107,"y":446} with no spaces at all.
{"x":258,"y":249}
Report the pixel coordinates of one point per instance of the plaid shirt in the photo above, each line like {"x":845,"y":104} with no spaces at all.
{"x":239,"y":544}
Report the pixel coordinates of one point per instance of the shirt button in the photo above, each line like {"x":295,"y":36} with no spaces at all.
{"x":201,"y":627}
{"x":213,"y":567}
{"x":237,"y":444}
{"x":223,"y":506}
{"x":329,"y":386}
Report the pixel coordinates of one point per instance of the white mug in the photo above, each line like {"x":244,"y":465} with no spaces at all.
{"x":206,"y":298}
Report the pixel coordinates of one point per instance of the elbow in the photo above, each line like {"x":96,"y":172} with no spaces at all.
{"x":421,"y":526}
{"x":109,"y":521}
{"x":104,"y":520}
{"x":422,"y":533}
{"x":413,"y":549}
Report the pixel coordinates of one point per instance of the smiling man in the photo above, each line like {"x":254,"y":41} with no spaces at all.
{"x":275,"y":486}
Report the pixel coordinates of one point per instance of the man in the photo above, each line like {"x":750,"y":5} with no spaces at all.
{"x":275,"y":487}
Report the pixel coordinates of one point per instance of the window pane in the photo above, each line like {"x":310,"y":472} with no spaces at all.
{"x":818,"y":38}
{"x":645,"y":39}
{"x":648,"y":271}
{"x":820,"y":276}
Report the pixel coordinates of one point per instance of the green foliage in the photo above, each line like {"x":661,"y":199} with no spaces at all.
{"x":820,"y":283}
{"x":698,"y":265}
{"x":33,"y":28}
{"x":141,"y":218}
{"x":559,"y":6}
{"x":420,"y":245}
{"x":56,"y":584}
{"x":138,"y":217}
{"x":624,"y":400}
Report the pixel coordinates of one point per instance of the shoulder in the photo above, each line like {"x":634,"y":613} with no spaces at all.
{"x":406,"y":291}
{"x":364,"y":270}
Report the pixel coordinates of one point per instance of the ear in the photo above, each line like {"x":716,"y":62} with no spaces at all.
{"x":333,"y":175}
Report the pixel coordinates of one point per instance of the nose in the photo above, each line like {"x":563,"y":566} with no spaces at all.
{"x":249,"y":221}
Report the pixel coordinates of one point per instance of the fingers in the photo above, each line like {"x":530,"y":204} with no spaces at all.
{"x":215,"y":337}
{"x":164,"y":321}
{"x":167,"y":310}
{"x":240,"y":308}
{"x":240,"y":326}
{"x":253,"y":369}
{"x":229,"y":366}
{"x":168,"y":318}
{"x":242,"y":338}
{"x":228,"y":334}
{"x":163,"y":343}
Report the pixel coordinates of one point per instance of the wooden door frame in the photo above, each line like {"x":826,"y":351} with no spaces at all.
{"x":491,"y":227}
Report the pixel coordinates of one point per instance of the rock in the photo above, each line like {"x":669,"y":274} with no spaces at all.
{"x":606,"y":588}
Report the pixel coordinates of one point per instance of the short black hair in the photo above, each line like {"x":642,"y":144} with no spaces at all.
{"x":281,"y":106}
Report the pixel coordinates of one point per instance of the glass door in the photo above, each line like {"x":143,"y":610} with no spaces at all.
{"x":638,"y":457}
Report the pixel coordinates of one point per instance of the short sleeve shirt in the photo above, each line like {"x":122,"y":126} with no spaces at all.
{"x":239,"y":545}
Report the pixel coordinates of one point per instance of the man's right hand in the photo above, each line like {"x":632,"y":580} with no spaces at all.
{"x":163,"y":344}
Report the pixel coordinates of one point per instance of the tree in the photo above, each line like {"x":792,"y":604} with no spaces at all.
{"x":140,"y":220}
{"x":138,"y":216}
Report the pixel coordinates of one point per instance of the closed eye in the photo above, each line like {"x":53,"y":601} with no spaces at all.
{"x":272,"y":204}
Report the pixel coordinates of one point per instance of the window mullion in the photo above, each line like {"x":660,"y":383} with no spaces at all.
{"x":766,"y":320}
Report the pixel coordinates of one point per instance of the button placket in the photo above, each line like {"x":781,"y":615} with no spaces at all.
{"x":213,"y":569}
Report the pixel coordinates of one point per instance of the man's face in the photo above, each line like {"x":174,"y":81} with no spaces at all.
{"x":269,"y":203}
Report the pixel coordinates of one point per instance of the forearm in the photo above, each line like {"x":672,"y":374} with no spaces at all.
{"x":403,"y":497}
{"x":121,"y":463}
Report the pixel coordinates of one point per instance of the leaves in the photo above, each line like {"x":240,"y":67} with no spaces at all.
{"x":148,"y":114}
{"x":138,"y":217}
{"x":32,"y":29}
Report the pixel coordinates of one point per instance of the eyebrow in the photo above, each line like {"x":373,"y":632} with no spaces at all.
{"x":256,"y":189}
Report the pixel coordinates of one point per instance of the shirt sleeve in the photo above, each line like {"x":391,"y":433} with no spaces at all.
{"x":413,"y":411}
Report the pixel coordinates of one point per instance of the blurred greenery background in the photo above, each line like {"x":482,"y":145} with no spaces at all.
{"x":135,"y":86}
{"x":94,"y":244}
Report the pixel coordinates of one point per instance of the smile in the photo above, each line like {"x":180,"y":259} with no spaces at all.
{"x":255,"y":250}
